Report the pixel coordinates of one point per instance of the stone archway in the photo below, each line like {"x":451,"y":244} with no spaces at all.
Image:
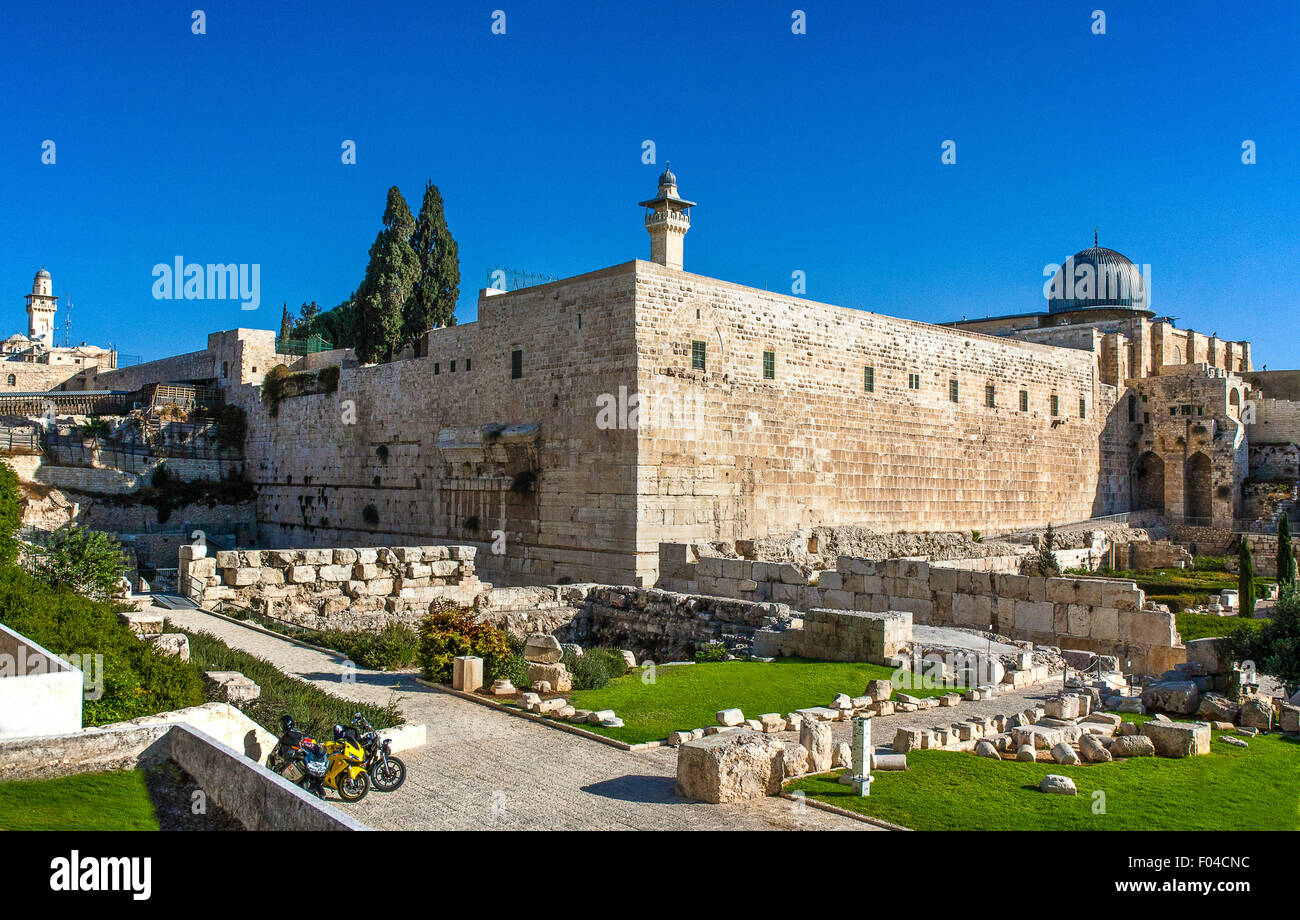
{"x":1198,"y":488}
{"x":1149,"y":482}
{"x":1234,"y":403}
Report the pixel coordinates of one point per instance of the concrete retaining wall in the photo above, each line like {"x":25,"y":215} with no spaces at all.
{"x":40,"y":693}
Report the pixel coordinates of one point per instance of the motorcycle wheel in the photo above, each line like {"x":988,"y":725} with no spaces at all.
{"x":353,"y":789}
{"x":388,"y":774}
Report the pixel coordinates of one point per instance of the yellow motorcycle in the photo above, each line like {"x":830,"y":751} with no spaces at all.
{"x":346,"y":771}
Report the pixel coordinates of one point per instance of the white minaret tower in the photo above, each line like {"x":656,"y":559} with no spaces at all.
{"x":667,"y":219}
{"x":41,"y":306}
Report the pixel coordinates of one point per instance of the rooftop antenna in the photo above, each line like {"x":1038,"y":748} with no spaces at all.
{"x":1094,"y":238}
{"x":67,"y":322}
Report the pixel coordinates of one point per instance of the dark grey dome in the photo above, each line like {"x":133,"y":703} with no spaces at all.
{"x":667,"y":178}
{"x":1097,"y":278}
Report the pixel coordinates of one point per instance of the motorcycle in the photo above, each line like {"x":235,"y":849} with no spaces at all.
{"x":338,"y":764}
{"x":386,"y":771}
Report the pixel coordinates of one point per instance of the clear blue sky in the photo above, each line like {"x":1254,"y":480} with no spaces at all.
{"x":818,"y":152}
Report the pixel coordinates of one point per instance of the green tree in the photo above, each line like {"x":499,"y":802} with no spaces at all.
{"x":1285,"y":559}
{"x":11,"y":514}
{"x":433,"y":302}
{"x":87,"y":561}
{"x":390,"y":279}
{"x":1245,"y":578}
{"x":286,"y":323}
{"x":307,"y":313}
{"x":1275,"y":649}
{"x":1044,"y":562}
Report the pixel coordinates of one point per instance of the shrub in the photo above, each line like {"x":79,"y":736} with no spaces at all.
{"x":595,"y":667}
{"x":394,"y":647}
{"x":1210,"y":563}
{"x":1275,"y":648}
{"x":87,"y":561}
{"x":1044,"y":562}
{"x":515,"y":669}
{"x":450,"y":631}
{"x":11,"y":514}
{"x":711,"y":651}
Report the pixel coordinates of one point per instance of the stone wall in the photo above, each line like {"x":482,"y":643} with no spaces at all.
{"x":350,"y":588}
{"x":1083,"y":613}
{"x":1263,"y":553}
{"x":811,"y":446}
{"x":839,"y":635}
{"x":1275,"y":461}
{"x":1277,"y":421}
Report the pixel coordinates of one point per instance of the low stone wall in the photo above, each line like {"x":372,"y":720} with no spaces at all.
{"x":1084,"y":613}
{"x":40,"y":693}
{"x":666,"y":626}
{"x":1158,"y":555}
{"x":351,"y":588}
{"x":1263,"y":553}
{"x":839,"y":635}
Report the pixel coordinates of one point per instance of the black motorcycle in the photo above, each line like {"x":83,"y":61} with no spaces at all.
{"x":299,"y":759}
{"x":386,"y":771}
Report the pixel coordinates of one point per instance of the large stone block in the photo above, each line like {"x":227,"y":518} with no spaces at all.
{"x":1180,"y":697}
{"x":1178,"y":739}
{"x":816,"y":739}
{"x":730,"y":767}
{"x":543,"y":648}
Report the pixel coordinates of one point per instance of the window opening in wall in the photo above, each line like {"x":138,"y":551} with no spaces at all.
{"x":952,"y":390}
{"x":869,"y":379}
{"x":1024,"y":400}
{"x":516,"y":364}
{"x":467,"y":364}
{"x":769,"y":365}
{"x":1083,"y":408}
{"x":990,"y":396}
{"x":436,"y":368}
{"x":1056,"y":404}
{"x":697,"y":355}
{"x":453,"y":365}
{"x":914,"y":381}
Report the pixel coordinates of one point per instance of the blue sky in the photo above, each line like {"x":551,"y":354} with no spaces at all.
{"x":816,"y":152}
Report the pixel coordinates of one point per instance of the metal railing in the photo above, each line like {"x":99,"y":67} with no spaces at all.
{"x":23,"y":440}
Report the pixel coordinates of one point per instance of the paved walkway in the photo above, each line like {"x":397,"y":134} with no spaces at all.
{"x":484,"y":769}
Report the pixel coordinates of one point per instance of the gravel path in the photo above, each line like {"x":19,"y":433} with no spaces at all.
{"x":483,"y":769}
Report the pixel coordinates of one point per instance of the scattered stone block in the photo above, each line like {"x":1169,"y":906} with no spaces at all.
{"x":600,"y":715}
{"x":502,"y":687}
{"x":817,"y":741}
{"x":843,"y":755}
{"x":467,"y":673}
{"x":1235,"y":742}
{"x":176,"y":645}
{"x":232,"y":686}
{"x":543,"y":649}
{"x":772,"y":722}
{"x":1062,"y":753}
{"x":880,"y":689}
{"x":1093,"y":750}
{"x":1256,"y":712}
{"x":794,"y":760}
{"x":730,"y":767}
{"x":678,"y":738}
{"x":987,"y":749}
{"x":730,"y":717}
{"x":1178,"y":739}
{"x":557,"y":675}
{"x":1025,"y":753}
{"x":1058,"y":785}
{"x":907,"y":739}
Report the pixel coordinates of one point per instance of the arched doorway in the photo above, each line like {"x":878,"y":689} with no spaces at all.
{"x":1234,"y":403}
{"x":1150,"y":482}
{"x":1198,"y":489}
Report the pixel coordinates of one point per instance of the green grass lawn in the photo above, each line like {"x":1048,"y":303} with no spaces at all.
{"x":689,"y":696}
{"x":1182,"y":588}
{"x":117,"y":801}
{"x":1254,"y":788}
{"x":1203,"y":625}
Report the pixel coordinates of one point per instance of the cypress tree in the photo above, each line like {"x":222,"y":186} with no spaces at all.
{"x":1285,"y":560}
{"x":286,"y":323}
{"x":389,"y":281}
{"x":433,"y":302}
{"x":1245,"y":578}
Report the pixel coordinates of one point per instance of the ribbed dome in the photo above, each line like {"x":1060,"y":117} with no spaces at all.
{"x":667,"y":177}
{"x":1097,"y":277}
{"x":42,"y":274}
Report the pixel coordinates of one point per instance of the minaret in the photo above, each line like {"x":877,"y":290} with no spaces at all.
{"x":41,"y":306}
{"x":667,"y":220}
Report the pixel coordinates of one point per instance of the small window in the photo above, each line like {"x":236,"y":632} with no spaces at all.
{"x":12,"y":380}
{"x":1132,"y":408}
{"x":914,"y":381}
{"x":579,"y":326}
{"x":697,"y":355}
{"x":769,"y":365}
{"x":952,"y":390}
{"x":1056,"y":405}
{"x":453,"y":365}
{"x":1173,"y":410}
{"x":516,"y":364}
{"x":990,"y":396}
{"x":1146,"y":418}
{"x":467,"y":364}
{"x":1083,"y":407}
{"x":437,"y":368}
{"x":869,"y":379}
{"x":1024,"y":400}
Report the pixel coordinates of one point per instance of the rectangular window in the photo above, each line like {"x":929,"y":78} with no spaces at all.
{"x":579,"y":320}
{"x":914,"y":381}
{"x":453,"y":365}
{"x":1173,"y":410}
{"x":1132,"y":408}
{"x":869,"y":380}
{"x":1056,"y":405}
{"x":990,"y":396}
{"x":516,"y":364}
{"x":952,"y":390}
{"x":1083,"y":408}
{"x":769,"y":365}
{"x":1024,"y":400}
{"x":436,"y":368}
{"x":697,"y":355}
